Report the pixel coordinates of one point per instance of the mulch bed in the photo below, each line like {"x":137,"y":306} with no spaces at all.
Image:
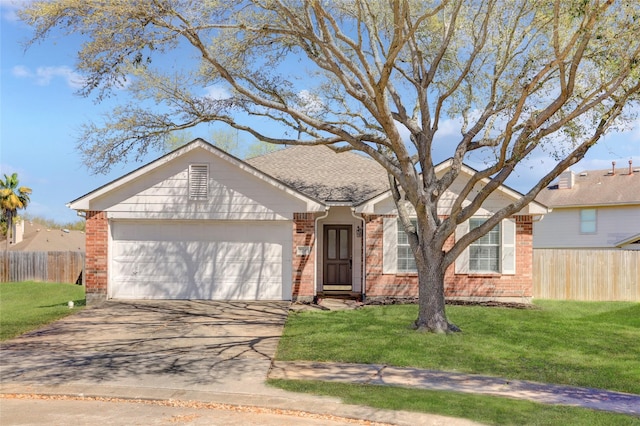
{"x":490,"y":304}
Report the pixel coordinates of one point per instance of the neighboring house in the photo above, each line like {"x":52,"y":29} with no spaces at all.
{"x":594,"y":209}
{"x":199,"y":223}
{"x":34,"y":236}
{"x":44,"y":254}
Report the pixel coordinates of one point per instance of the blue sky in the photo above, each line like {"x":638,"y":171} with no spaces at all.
{"x":40,"y":118}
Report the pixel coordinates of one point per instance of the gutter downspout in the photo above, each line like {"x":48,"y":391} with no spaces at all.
{"x":363,"y":261}
{"x":315,"y":263}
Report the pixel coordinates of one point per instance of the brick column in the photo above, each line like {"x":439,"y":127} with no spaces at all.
{"x":303,"y":263}
{"x":96,"y":263}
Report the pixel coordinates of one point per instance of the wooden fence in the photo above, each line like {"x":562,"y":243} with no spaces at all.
{"x":590,"y":275}
{"x":52,"y":266}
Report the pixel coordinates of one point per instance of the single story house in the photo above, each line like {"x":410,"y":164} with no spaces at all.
{"x":293,"y":224}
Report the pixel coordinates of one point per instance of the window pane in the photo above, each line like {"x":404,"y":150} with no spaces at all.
{"x":402,"y":236}
{"x":406,"y":261}
{"x":588,"y":214}
{"x":484,"y":253}
{"x":344,"y":244}
{"x":588,"y":221}
{"x":331,"y":244}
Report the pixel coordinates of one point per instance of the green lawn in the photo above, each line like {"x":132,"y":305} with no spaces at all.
{"x":483,"y":409}
{"x":574,"y":343}
{"x":28,"y":305}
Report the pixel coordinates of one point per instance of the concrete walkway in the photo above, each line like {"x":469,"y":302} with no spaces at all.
{"x":596,"y":399}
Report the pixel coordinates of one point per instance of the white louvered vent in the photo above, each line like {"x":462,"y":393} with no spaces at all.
{"x":198,"y":181}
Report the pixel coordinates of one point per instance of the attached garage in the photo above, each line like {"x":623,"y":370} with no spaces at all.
{"x":196,"y":223}
{"x":219,"y":260}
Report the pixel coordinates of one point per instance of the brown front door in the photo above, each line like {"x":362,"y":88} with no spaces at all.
{"x":337,"y":258}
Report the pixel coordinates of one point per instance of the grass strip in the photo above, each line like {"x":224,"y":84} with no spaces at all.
{"x":588,"y":344}
{"x":29,"y":305}
{"x":479,"y":408}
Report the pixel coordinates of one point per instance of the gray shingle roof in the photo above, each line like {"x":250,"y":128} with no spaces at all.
{"x":320,"y":173}
{"x":595,"y":188}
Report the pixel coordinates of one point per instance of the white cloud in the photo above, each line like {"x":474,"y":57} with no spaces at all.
{"x":216,"y":93}
{"x":309,"y":102}
{"x":635,"y":132}
{"x":10,"y":8}
{"x":43,"y":76}
{"x":448,"y":127}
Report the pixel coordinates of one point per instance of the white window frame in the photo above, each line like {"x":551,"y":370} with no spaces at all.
{"x":493,"y":239}
{"x":591,"y":222}
{"x":507,"y":249}
{"x":404,"y":262}
{"x":198,"y":181}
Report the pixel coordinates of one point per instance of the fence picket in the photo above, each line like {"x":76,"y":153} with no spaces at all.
{"x":589,"y":275}
{"x":53,"y":266}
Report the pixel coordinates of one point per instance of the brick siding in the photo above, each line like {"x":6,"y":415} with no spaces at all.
{"x":460,"y":286}
{"x":97,"y":237}
{"x":303,"y":265}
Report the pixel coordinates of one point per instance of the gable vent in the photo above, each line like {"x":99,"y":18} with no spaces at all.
{"x":198,"y":181}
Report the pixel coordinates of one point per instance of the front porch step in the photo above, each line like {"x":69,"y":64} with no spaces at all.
{"x":340,"y":295}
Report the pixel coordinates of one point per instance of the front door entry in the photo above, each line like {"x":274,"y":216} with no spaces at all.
{"x":337,"y":258}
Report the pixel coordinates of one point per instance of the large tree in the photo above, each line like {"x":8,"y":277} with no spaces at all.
{"x":13,"y":197}
{"x":227,"y":140}
{"x":376,"y":76}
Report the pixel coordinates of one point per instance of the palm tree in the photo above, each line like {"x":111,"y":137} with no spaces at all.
{"x":12,"y":198}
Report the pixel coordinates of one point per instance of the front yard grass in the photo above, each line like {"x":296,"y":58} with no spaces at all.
{"x":483,"y":409}
{"x":26,"y":306}
{"x":590,"y":344}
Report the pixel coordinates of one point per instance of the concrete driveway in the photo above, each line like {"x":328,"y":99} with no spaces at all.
{"x":181,"y":345}
{"x":157,"y":362}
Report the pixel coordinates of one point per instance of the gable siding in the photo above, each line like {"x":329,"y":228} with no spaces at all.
{"x":234,"y":194}
{"x":492,"y":204}
{"x":561,"y":228}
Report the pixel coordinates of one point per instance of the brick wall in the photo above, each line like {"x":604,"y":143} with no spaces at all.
{"x":303,"y":265}
{"x":96,"y":257}
{"x":379,"y":284}
{"x":517,"y":287}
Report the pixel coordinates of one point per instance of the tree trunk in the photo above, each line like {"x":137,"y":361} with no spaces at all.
{"x":9,"y":218}
{"x":431,"y":302}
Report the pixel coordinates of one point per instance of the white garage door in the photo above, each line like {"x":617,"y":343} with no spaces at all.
{"x":210,"y":260}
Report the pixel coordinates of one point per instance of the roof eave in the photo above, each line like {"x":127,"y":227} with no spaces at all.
{"x":628,"y":240}
{"x":592,"y":205}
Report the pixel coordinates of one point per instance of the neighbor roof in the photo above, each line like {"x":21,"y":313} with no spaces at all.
{"x":38,"y":237}
{"x":595,"y":188}
{"x":322,"y":174}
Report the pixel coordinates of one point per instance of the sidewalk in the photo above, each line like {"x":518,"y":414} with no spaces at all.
{"x":93,"y":403}
{"x":596,"y":399}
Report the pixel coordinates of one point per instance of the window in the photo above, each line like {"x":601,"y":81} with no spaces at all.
{"x":406,"y":260}
{"x":484,"y":253}
{"x":198,"y":181}
{"x":588,"y":221}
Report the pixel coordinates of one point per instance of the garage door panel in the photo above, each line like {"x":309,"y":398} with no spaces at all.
{"x":205,"y":263}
